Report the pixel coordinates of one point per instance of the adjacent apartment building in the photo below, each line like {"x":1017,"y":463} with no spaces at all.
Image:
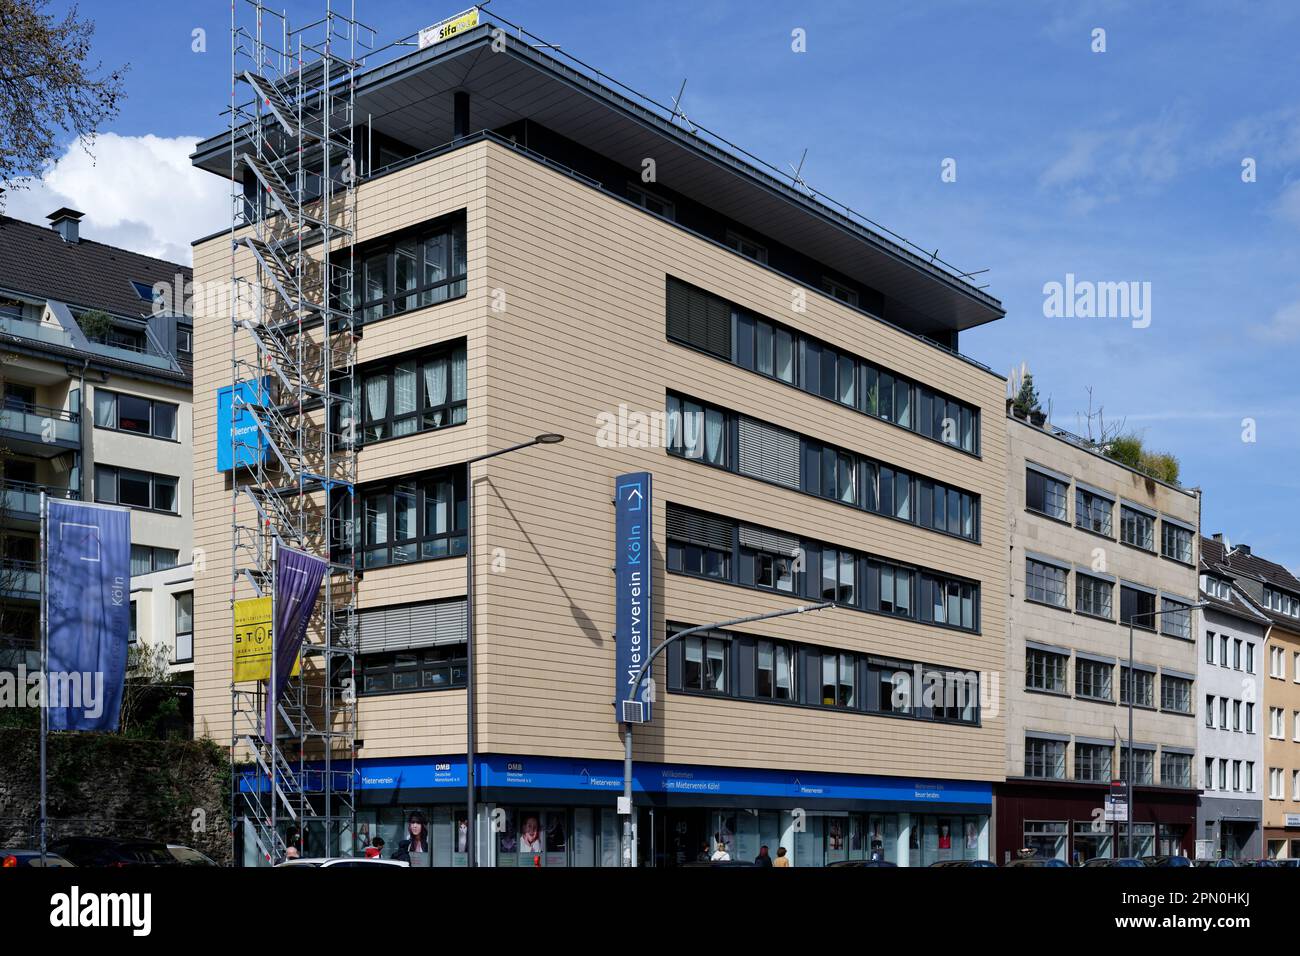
{"x":1275,"y":593}
{"x":95,"y":348}
{"x":1229,"y":816}
{"x":1096,"y":546}
{"x":792,"y":381}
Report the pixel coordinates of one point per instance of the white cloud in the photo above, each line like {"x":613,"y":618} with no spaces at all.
{"x":1284,"y":326}
{"x":138,"y":192}
{"x":1288,"y":203}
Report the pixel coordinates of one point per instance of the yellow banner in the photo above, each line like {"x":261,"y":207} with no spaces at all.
{"x":449,"y":28}
{"x":252,"y":640}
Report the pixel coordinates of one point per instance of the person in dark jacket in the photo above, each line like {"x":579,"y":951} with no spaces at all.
{"x":417,"y":840}
{"x":762,"y":859}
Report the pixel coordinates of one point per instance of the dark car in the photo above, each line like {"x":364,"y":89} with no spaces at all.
{"x":719,"y":863}
{"x":1290,"y":863}
{"x":862,"y":863}
{"x":108,"y":851}
{"x":1214,"y":863}
{"x":975,"y":863}
{"x":13,"y":858}
{"x":188,"y":856}
{"x":1264,"y":863}
{"x":1037,"y":861}
{"x":1126,"y":861}
{"x":1166,"y":861}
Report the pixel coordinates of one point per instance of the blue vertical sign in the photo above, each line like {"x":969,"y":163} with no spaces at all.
{"x":239,"y":441}
{"x":634,"y":594}
{"x":88,"y":613}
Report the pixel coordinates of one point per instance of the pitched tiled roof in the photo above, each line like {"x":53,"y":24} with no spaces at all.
{"x":1239,"y":564}
{"x":35,"y":260}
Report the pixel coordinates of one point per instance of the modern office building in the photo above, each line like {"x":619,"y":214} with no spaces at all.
{"x":1231,"y":737}
{"x":1275,"y":593}
{"x":1096,"y":546}
{"x":790,"y":378}
{"x":95,"y":352}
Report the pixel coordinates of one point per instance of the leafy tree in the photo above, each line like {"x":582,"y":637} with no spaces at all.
{"x":1130,"y":450}
{"x":48,"y":85}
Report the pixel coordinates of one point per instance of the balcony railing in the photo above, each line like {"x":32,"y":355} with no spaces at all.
{"x":23,"y":498}
{"x":12,"y":323}
{"x":41,"y":423}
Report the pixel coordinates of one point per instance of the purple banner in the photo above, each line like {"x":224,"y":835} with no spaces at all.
{"x":297,"y":588}
{"x":88,"y":613}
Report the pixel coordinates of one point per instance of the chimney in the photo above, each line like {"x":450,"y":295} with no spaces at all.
{"x":1218,"y":536}
{"x":1244,"y":549}
{"x":66,"y":222}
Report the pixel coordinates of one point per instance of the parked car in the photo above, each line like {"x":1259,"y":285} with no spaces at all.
{"x":1121,"y":861}
{"x":188,"y":856}
{"x":1166,"y":861}
{"x":339,"y":861}
{"x":13,"y":858}
{"x":716,"y":863}
{"x":110,"y":851}
{"x":1290,"y":863}
{"x":1265,"y":863}
{"x":1214,"y":863}
{"x":862,"y":863}
{"x":1037,"y":861}
{"x":975,"y":863}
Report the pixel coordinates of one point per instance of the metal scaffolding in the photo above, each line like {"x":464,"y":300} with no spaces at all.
{"x":293,"y":458}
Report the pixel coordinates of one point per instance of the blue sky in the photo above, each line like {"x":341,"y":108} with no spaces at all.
{"x":1117,"y":166}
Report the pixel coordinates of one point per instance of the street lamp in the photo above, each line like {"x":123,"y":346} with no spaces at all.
{"x":636,"y":684}
{"x":471,"y":835}
{"x":1128,"y":774}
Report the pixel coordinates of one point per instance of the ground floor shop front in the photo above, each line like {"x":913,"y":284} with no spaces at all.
{"x":1066,"y":821}
{"x":562,"y":812}
{"x":1283,"y":843}
{"x":1228,"y":829}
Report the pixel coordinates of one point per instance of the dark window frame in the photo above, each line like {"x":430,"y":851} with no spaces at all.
{"x":453,"y":541}
{"x":422,"y":294}
{"x":151,"y":477}
{"x":455,"y":410}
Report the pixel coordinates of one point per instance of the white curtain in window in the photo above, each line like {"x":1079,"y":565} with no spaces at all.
{"x":713,"y":436}
{"x":404,"y":397}
{"x":376,"y":398}
{"x":692,"y":419}
{"x":435,"y":389}
{"x":458,"y":384}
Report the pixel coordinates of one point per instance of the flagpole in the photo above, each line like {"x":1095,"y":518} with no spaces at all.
{"x":45,"y":662}
{"x":274,"y":700}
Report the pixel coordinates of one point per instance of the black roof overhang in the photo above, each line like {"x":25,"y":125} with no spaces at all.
{"x":410,"y":99}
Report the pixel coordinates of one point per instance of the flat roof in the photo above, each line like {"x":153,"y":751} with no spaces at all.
{"x":409,"y":98}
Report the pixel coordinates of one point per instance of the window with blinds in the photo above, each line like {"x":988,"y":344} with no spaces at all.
{"x":698,"y":319}
{"x":409,"y":626}
{"x":768,"y":452}
{"x":698,"y":528}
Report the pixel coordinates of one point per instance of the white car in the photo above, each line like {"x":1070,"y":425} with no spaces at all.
{"x":340,"y":861}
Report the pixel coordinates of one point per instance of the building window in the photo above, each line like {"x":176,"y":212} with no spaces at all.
{"x":1045,"y":583}
{"x":409,"y":395}
{"x":837,"y":290}
{"x":656,"y":205}
{"x":1144,"y":683}
{"x":145,"y":559}
{"x":1092,"y":679}
{"x":1136,"y":528}
{"x":1275,"y":719}
{"x":1175,"y":694}
{"x":1236,"y":654}
{"x":1045,"y":494}
{"x":1142,"y":767}
{"x":1175,"y":769}
{"x":135,"y":489}
{"x":746,"y":247}
{"x":1276,"y":662}
{"x":1250,"y":658}
{"x":1045,"y":670}
{"x":1250,"y":776}
{"x":838,"y":576}
{"x":775,"y":671}
{"x":1209,"y":647}
{"x":1250,"y":719}
{"x":133,"y":634}
{"x":947,"y":601}
{"x":1137,"y":607}
{"x":704,"y":321}
{"x":698,"y":431}
{"x":421,"y":518}
{"x":1209,"y":710}
{"x":699,"y":544}
{"x":1275,"y":791}
{"x":1175,"y":541}
{"x":1093,"y":596}
{"x":184,"y":627}
{"x":1176,"y":621}
{"x":838,"y":679}
{"x":414,"y":669}
{"x":704,"y":664}
{"x":418,"y":269}
{"x":1046,"y":839}
{"x":131,"y":413}
{"x":889,"y":588}
{"x":1044,"y":759}
{"x":1092,"y":762}
{"x":1092,"y":512}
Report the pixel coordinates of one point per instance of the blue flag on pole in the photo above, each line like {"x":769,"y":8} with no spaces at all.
{"x":297,"y":586}
{"x":88,"y":613}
